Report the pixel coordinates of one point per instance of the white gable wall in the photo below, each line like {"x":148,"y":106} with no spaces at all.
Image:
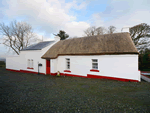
{"x":21,"y":62}
{"x":36,"y":56}
{"x":12,"y":63}
{"x":119,"y":66}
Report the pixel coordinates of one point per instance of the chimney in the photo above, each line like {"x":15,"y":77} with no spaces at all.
{"x":125,"y":29}
{"x":57,"y":38}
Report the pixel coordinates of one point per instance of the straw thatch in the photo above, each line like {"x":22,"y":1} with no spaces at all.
{"x":117,"y":43}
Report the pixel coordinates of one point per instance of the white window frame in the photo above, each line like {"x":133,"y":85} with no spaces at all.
{"x":28,"y":63}
{"x":95,"y":64}
{"x":68,"y":63}
{"x":31,"y":63}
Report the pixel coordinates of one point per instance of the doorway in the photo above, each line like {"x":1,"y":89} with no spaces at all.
{"x":47,"y":66}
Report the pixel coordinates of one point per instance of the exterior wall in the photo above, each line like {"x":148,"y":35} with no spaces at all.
{"x":20,"y":62}
{"x":119,"y":66}
{"x":53,"y":65}
{"x":36,"y":56}
{"x":13,"y":63}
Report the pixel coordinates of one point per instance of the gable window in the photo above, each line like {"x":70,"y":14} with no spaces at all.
{"x":94,"y":63}
{"x":68,"y":63}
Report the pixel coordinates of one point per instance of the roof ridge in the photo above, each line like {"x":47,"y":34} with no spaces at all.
{"x":98,"y":35}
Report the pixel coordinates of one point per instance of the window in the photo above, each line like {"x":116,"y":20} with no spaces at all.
{"x":68,"y":63}
{"x":30,"y":63}
{"x":94,"y":63}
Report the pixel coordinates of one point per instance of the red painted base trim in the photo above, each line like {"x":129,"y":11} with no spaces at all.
{"x":113,"y":78}
{"x":53,"y":74}
{"x":24,"y":71}
{"x":88,"y":75}
{"x":13,"y":70}
{"x":29,"y":68}
{"x":66,"y":74}
{"x":145,"y":71}
{"x":145,"y":75}
{"x":94,"y":70}
{"x":67,"y":71}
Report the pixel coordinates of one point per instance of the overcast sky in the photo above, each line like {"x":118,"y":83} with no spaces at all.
{"x":73,"y":16}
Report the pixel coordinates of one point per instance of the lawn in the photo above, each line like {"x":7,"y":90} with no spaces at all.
{"x":21,"y":92}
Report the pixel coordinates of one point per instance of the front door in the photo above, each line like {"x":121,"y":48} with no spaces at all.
{"x":47,"y":66}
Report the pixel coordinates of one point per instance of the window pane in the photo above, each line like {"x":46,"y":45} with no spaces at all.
{"x":94,"y":60}
{"x":68,"y":67}
{"x":68,"y":63}
{"x":95,"y":64}
{"x":94,"y":67}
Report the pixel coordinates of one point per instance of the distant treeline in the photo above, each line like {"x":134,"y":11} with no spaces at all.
{"x":2,"y":64}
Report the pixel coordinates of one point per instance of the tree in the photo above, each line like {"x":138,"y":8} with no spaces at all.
{"x":91,"y":31}
{"x":140,"y":35}
{"x":62,"y":34}
{"x":17,"y":35}
{"x":100,"y":31}
{"x":111,"y":29}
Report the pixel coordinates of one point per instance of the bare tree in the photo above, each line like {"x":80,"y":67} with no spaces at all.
{"x":91,"y":31}
{"x":17,"y":35}
{"x":140,"y":35}
{"x":111,"y":29}
{"x":100,"y":31}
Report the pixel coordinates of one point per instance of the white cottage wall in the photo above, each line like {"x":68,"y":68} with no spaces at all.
{"x":36,"y":56}
{"x":53,"y":65}
{"x":119,"y":66}
{"x":13,"y":63}
{"x":21,"y":62}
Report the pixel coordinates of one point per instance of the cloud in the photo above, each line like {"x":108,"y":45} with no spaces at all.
{"x":48,"y":16}
{"x":121,"y":13}
{"x":76,"y":28}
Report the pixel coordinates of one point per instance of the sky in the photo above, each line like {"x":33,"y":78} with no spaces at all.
{"x":47,"y":17}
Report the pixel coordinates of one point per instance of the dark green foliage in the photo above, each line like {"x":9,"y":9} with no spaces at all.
{"x":62,"y":34}
{"x":144,"y":60}
{"x":2,"y":64}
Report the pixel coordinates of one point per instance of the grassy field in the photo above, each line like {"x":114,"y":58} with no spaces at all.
{"x":21,"y":92}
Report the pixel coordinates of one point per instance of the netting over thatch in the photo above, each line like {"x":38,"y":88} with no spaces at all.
{"x":117,"y":43}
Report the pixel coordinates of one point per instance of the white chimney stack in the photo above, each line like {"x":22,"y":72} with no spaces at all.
{"x":125,"y":29}
{"x":57,"y":38}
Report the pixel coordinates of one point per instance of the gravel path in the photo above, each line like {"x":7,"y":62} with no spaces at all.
{"x":21,"y":92}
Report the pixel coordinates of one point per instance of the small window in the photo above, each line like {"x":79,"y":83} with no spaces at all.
{"x":31,"y":63}
{"x":94,"y":63}
{"x":68,"y":63}
{"x":28,"y":63}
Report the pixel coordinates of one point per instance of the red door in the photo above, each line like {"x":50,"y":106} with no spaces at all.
{"x":47,"y":66}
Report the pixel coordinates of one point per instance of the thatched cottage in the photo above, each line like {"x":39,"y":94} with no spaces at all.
{"x":110,"y":56}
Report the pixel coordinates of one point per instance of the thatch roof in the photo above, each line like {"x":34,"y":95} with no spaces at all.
{"x":117,"y":43}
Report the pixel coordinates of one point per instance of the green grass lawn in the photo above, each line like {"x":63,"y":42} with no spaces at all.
{"x":21,"y":92}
